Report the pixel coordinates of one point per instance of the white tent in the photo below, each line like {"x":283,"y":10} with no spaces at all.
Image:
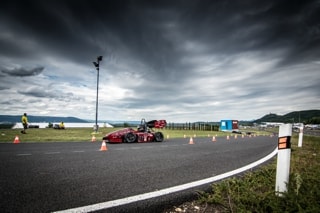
{"x":67,"y":125}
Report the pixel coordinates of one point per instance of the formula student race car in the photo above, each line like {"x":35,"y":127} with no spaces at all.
{"x":144,"y":133}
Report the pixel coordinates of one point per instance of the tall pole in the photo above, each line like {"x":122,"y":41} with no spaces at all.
{"x":97,"y":65}
{"x":96,"y":127}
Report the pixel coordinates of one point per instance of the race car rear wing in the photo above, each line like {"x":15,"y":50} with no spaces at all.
{"x":157,"y":124}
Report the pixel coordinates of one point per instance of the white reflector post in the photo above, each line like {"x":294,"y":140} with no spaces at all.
{"x":300,"y":136}
{"x":283,"y":161}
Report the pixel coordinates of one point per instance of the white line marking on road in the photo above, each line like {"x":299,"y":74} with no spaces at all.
{"x":136,"y":147}
{"x":145,"y":196}
{"x":51,"y":153}
{"x":78,"y":151}
{"x":26,"y":154}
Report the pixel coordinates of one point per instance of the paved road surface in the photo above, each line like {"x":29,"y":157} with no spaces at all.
{"x":46,"y":177}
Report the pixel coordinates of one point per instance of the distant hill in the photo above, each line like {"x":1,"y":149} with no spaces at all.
{"x":40,"y":119}
{"x":306,"y":116}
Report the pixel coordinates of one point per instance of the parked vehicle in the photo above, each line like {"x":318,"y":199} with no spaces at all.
{"x":144,"y":133}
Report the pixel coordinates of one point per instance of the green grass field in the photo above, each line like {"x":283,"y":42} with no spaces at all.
{"x":85,"y":134}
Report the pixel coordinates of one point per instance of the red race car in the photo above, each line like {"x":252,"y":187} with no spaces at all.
{"x":144,"y":133}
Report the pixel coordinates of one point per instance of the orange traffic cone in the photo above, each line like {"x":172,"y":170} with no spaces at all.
{"x":242,"y":136}
{"x":214,"y":139}
{"x":93,"y":139}
{"x":191,"y":141}
{"x":16,"y":139}
{"x":228,"y":137}
{"x":103,"y":146}
{"x":235,"y":136}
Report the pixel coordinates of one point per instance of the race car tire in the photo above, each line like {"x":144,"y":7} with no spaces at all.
{"x":130,"y":137}
{"x":158,"y":137}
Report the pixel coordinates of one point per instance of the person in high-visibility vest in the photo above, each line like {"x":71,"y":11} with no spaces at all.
{"x":61,"y":125}
{"x":24,"y":121}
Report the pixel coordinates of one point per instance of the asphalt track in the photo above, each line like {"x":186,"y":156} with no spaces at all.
{"x":47,"y":177}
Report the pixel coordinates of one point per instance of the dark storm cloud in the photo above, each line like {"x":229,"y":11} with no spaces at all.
{"x":3,"y":87}
{"x":50,"y":94}
{"x":165,"y":53}
{"x":22,"y":72}
{"x":46,"y":26}
{"x":79,"y":29}
{"x":237,"y":26}
{"x":37,"y":93}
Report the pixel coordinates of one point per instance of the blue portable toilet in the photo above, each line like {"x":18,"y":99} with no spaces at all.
{"x":229,"y":125}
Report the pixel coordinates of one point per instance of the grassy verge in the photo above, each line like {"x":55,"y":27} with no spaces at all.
{"x":53,"y":135}
{"x":85,"y":134}
{"x":255,"y":191}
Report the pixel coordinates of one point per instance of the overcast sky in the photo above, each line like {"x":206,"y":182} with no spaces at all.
{"x":182,"y":61}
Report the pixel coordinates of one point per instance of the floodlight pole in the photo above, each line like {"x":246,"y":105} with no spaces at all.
{"x":97,"y":64}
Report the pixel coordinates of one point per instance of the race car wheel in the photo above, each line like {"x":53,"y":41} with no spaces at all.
{"x":130,"y":137}
{"x":158,"y":137}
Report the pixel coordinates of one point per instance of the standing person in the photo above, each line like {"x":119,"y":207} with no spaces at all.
{"x":61,"y":125}
{"x":24,"y":121}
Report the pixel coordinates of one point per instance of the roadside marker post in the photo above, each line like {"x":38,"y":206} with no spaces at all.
{"x":283,"y":161}
{"x":300,"y":136}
